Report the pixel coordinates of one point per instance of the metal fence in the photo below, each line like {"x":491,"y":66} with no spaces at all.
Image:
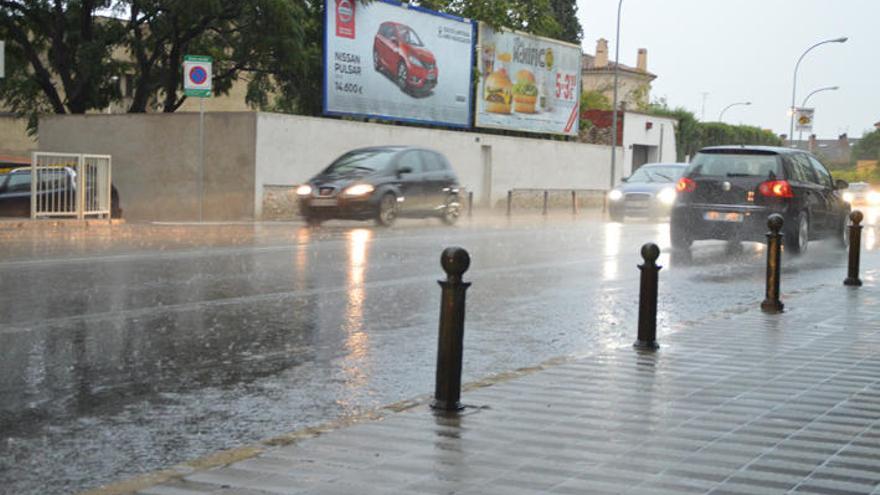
{"x":70,"y":185}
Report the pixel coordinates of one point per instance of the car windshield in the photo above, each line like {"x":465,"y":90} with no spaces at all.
{"x":735,"y":165}
{"x":410,"y":37}
{"x":656,"y":174}
{"x":369,"y":160}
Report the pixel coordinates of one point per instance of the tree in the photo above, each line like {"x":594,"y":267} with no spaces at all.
{"x":565,"y":13}
{"x":692,"y":135}
{"x":531,"y":16}
{"x":868,"y":148}
{"x":67,"y":56}
{"x":59,"y":56}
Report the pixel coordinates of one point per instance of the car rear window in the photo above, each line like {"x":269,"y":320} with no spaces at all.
{"x":735,"y":165}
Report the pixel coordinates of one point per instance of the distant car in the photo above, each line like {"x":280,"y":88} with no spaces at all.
{"x":648,"y":192}
{"x":398,"y":51}
{"x":727,"y":192}
{"x":861,"y":193}
{"x":382,"y":183}
{"x":59,"y":190}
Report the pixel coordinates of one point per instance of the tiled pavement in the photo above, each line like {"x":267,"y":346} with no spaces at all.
{"x":745,"y":404}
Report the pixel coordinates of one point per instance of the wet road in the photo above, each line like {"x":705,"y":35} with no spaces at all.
{"x":127,"y":350}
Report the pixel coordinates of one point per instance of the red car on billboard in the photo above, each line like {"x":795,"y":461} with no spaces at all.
{"x":399,"y":52}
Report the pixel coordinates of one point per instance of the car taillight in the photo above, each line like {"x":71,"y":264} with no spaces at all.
{"x":685,"y":185}
{"x":776,"y":189}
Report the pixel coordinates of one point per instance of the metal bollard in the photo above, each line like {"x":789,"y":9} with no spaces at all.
{"x":545,"y":203}
{"x":447,"y":390}
{"x":509,"y":201}
{"x":855,"y":248}
{"x":574,"y":202}
{"x":771,"y":303}
{"x":647,"y":337}
{"x":470,"y":204}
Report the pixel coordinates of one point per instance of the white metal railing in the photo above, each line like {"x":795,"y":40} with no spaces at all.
{"x":70,"y":185}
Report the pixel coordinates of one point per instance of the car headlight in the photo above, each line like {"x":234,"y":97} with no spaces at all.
{"x":666,"y":196}
{"x":359,"y":190}
{"x":874,"y":197}
{"x":415,"y":61}
{"x":848,"y":197}
{"x":615,"y":195}
{"x":304,"y":190}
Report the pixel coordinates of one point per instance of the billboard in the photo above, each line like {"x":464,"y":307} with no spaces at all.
{"x":804,"y":119}
{"x":389,"y":60}
{"x":527,"y":83}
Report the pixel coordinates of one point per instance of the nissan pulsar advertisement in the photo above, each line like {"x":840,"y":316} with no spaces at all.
{"x":390,"y":60}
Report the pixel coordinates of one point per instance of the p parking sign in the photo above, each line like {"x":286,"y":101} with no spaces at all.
{"x":197,"y":76}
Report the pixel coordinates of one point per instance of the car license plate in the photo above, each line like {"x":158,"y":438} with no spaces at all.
{"x":323,"y":202}
{"x":721,"y":216}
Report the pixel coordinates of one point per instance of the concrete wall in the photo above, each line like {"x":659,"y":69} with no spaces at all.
{"x":290,"y":149}
{"x":14,"y":140}
{"x":155,"y":160}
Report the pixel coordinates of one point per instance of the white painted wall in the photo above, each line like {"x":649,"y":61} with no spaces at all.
{"x":290,"y":149}
{"x":635,"y":131}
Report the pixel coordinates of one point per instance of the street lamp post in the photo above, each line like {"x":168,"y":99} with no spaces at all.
{"x":804,"y":103}
{"x":794,"y":82}
{"x":721,"y":115}
{"x":614,"y":103}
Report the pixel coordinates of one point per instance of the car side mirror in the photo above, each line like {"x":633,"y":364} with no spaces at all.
{"x":841,"y":184}
{"x":624,"y":179}
{"x":404,"y":170}
{"x":395,"y":42}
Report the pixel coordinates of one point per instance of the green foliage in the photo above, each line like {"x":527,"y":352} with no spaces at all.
{"x":58,"y":56}
{"x":565,"y":13}
{"x":531,"y":16}
{"x":871,"y":175}
{"x":692,"y":135}
{"x":868,"y":148}
{"x":594,"y":100}
{"x":65,"y":58}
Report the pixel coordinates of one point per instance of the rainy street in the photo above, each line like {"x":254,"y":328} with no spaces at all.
{"x":127,"y":350}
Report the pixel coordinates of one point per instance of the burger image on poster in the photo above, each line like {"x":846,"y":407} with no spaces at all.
{"x":498,"y":92}
{"x":525,"y":93}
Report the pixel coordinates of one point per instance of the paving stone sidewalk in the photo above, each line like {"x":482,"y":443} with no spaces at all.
{"x":744,"y":404}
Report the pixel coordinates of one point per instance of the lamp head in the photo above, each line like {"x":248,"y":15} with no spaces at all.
{"x":840,"y":40}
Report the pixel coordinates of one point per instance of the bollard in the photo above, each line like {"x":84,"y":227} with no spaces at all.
{"x":509,"y":201}
{"x":771,"y":303}
{"x":647,"y":337}
{"x":855,"y":248}
{"x":574,"y":202}
{"x":470,"y":204}
{"x":447,"y":391}
{"x":545,"y":203}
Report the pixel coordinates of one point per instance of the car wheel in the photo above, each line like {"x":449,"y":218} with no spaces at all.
{"x":402,"y":75}
{"x":451,"y":211}
{"x":798,"y":235}
{"x":843,"y":235}
{"x":387,"y":212}
{"x":376,"y":64}
{"x":313,"y":221}
{"x":615,"y":215}
{"x":680,"y":238}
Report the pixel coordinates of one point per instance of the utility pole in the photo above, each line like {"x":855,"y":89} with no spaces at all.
{"x":703,"y":111}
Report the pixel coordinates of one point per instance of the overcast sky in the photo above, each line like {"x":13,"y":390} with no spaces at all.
{"x":746,"y":50}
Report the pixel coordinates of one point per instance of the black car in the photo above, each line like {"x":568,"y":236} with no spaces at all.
{"x":58,"y":192}
{"x":727,"y":192}
{"x":382,"y":183}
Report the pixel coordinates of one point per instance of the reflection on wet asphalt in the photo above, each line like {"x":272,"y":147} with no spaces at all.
{"x":132,"y":349}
